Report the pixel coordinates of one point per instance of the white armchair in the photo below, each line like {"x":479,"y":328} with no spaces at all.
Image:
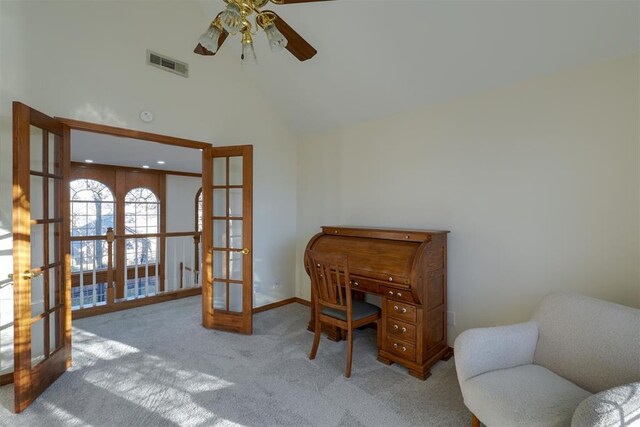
{"x":577,"y":362}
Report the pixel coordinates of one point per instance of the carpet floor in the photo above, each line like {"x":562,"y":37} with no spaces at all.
{"x":157,"y":366}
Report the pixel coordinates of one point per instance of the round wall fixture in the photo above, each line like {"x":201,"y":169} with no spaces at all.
{"x":146,"y":116}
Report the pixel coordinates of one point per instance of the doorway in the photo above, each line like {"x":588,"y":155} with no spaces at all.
{"x":43,"y":242}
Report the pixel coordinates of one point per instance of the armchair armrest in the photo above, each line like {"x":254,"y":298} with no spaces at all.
{"x":487,"y":349}
{"x":618,"y":406}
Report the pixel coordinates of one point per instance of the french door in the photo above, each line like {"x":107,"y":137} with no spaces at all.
{"x":41,"y":270}
{"x":227,"y":194}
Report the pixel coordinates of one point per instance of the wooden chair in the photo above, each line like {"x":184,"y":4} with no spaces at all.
{"x":333,"y":304}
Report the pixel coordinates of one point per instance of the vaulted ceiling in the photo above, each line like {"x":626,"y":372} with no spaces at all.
{"x":382,"y":57}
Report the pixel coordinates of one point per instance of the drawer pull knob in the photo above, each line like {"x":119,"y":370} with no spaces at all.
{"x":391,"y":293}
{"x":403,"y":330}
{"x":356,"y":284}
{"x":395,"y":327}
{"x":395,"y":345}
{"x":399,"y":294}
{"x":404,"y":348}
{"x":404,"y":310}
{"x":390,"y":279}
{"x":396,"y":308}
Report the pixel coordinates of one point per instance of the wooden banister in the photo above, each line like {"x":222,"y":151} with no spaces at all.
{"x":188,"y":273}
{"x":110,"y":284}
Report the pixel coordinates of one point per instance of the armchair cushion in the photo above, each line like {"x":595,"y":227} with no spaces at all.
{"x":618,"y":406}
{"x":527,"y":395}
{"x":590,"y":342}
{"x":486,"y":349}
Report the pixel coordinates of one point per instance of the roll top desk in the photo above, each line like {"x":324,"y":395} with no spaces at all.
{"x":408,"y":270}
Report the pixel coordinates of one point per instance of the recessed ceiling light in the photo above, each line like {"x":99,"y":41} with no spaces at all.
{"x":145,"y":166}
{"x":88,"y":161}
{"x":161,"y":162}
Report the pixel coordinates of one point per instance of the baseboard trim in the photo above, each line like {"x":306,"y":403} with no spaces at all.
{"x":6,"y":379}
{"x":303,"y":301}
{"x":277,"y":304}
{"x":125,"y":305}
{"x":273,"y":305}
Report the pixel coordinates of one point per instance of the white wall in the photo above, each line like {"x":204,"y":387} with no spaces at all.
{"x":538,"y":183}
{"x":86,"y":60}
{"x":180,"y":205}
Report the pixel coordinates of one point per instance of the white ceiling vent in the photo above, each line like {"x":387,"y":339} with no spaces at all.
{"x":168,"y":64}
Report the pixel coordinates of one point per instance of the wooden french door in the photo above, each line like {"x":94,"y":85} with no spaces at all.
{"x":227,"y":194}
{"x":41,"y":270}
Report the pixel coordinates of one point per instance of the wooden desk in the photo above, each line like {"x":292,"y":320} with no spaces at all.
{"x":408,"y":270}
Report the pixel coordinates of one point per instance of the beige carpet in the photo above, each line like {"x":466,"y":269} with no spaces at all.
{"x":156,"y":366}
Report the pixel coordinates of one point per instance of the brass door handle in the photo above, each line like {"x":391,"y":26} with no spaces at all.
{"x":246,"y":251}
{"x":28,"y":275}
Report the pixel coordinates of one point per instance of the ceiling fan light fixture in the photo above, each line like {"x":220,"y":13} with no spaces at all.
{"x":231,"y":18}
{"x":277,"y":41}
{"x":209,"y":40}
{"x":248,"y":52}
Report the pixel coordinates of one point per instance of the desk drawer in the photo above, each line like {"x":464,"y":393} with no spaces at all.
{"x":401,"y":348}
{"x":364,"y":285}
{"x":401,"y":330}
{"x":402,"y":311}
{"x":397,"y":294}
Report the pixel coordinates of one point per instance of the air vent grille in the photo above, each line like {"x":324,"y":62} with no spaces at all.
{"x":168,"y":64}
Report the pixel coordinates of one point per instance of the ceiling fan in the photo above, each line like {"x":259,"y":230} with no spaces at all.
{"x":234,"y":19}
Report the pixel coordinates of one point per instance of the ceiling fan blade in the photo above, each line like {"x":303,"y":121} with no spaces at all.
{"x":294,"y":1}
{"x":298,"y":46}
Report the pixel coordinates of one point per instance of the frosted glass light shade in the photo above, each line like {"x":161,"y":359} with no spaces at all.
{"x":231,"y":18}
{"x":277,"y":41}
{"x":209,"y":40}
{"x":248,"y":54}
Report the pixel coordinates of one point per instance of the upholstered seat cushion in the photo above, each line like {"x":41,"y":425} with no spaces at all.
{"x":360,"y":310}
{"x":527,"y":395}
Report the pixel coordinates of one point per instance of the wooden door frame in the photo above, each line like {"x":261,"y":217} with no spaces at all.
{"x":73,"y":124}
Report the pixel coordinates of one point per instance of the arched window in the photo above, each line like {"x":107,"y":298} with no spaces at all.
{"x":92,"y":208}
{"x":92,"y":212}
{"x":141,"y":216}
{"x":198,"y":224}
{"x":141,"y":212}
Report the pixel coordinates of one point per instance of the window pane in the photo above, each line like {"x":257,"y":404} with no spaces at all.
{"x":235,"y":265}
{"x":235,"y":297}
{"x":219,"y":202}
{"x":35,"y":153}
{"x":235,"y":170}
{"x":235,"y":202}
{"x":220,"y":171}
{"x":235,"y":233}
{"x":220,"y":295}
{"x":219,"y":234}
{"x":36,"y":197}
{"x":92,"y":208}
{"x":219,"y":265}
{"x":141,"y":212}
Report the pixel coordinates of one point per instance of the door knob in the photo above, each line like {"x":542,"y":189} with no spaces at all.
{"x":28,"y":274}
{"x":246,"y":251}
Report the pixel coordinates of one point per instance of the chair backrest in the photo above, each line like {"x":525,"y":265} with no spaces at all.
{"x":330,"y":282}
{"x":592,"y":343}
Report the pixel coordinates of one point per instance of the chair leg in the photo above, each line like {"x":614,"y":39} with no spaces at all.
{"x":347,"y":372}
{"x":316,"y":338}
{"x":475,"y":422}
